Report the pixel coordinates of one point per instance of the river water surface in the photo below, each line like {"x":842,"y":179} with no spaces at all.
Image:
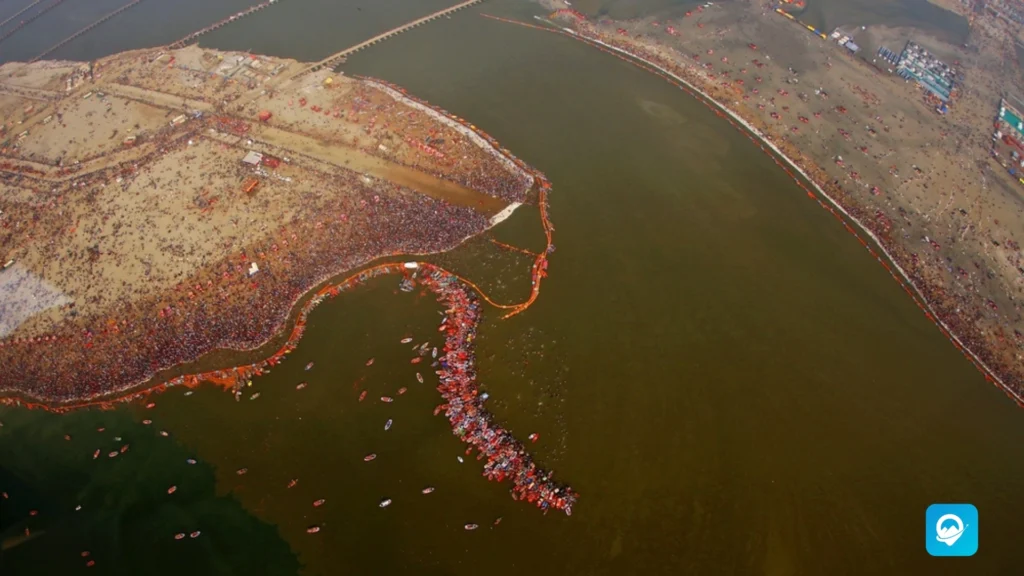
{"x":729,"y":380}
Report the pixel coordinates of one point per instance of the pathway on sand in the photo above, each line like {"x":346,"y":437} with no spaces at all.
{"x":355,"y":159}
{"x":337,"y":154}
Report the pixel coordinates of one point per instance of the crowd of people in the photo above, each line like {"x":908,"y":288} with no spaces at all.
{"x":464,"y":158}
{"x":507,"y":458}
{"x":346,"y":221}
{"x":225,"y":307}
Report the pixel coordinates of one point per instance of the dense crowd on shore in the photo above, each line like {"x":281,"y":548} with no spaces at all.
{"x":459,"y":159}
{"x":144,"y":330}
{"x":506,"y":457}
{"x":224,"y":307}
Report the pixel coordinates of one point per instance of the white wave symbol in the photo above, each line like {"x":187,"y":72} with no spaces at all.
{"x":949,"y":534}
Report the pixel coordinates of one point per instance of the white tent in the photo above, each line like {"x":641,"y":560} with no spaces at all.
{"x":253,"y":158}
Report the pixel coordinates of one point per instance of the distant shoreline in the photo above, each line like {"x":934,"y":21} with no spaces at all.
{"x":900,"y":273}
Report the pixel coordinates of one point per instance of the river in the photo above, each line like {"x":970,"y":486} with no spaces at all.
{"x":725,"y":375}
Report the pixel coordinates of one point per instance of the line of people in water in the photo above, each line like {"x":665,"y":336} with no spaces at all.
{"x":506,"y":457}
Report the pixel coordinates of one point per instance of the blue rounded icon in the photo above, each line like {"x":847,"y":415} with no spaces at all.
{"x":951,"y":530}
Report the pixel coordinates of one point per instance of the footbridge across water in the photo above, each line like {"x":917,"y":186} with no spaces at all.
{"x":337,"y":58}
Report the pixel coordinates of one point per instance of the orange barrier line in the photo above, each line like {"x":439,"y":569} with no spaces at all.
{"x":540,"y":263}
{"x":644,"y":65}
{"x":511,"y":247}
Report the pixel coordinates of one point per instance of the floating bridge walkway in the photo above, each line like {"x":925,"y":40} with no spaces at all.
{"x":193,"y":37}
{"x":335,"y":59}
{"x":20,"y":12}
{"x":57,"y":46}
{"x":30,"y":19}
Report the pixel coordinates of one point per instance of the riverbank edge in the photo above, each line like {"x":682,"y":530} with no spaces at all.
{"x":903,"y":277}
{"x":156,"y":382}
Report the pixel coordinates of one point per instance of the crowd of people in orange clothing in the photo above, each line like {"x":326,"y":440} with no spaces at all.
{"x":465,"y":408}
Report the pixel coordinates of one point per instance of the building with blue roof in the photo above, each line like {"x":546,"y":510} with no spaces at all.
{"x":932,"y":74}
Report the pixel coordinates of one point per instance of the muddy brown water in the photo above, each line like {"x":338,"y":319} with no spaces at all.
{"x":729,"y":380}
